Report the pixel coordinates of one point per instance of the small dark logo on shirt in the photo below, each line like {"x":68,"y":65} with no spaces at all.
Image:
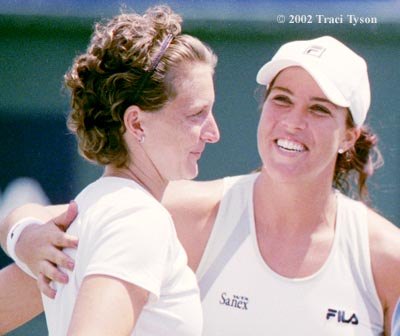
{"x":235,"y":301}
{"x":341,"y":316}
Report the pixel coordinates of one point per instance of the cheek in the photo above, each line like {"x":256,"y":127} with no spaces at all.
{"x":265,"y":123}
{"x":329,"y":140}
{"x":262,"y":134}
{"x":186,"y":135}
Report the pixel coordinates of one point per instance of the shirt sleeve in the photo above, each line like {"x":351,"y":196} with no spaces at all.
{"x":131,"y":245}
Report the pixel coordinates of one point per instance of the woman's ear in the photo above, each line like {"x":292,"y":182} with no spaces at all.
{"x":132,"y":122}
{"x":350,"y":138}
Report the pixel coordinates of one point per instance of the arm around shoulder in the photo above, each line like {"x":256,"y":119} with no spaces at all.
{"x":385,"y":259}
{"x":193,"y":206}
{"x":20,"y":298}
{"x":36,"y":248}
{"x":43,"y":213}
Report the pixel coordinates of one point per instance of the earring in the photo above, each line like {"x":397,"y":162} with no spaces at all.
{"x":141,"y":140}
{"x":341,"y":151}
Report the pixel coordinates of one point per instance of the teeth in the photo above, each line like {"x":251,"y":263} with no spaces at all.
{"x":290,"y":145}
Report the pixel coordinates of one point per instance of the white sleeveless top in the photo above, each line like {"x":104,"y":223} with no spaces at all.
{"x":241,"y":295}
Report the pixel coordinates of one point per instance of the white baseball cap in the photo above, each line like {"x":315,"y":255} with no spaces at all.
{"x":340,"y":73}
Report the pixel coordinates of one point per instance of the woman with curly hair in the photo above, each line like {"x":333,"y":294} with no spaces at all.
{"x":142,"y":97}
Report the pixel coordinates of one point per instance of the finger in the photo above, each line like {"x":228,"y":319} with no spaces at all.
{"x":64,"y":220}
{"x":63,"y":240}
{"x":72,"y":211}
{"x":43,"y":284}
{"x":50,"y":271}
{"x":59,"y":258}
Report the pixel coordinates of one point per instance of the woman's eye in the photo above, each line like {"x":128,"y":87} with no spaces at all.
{"x":282,"y":100}
{"x":320,"y":109}
{"x":196,"y":114}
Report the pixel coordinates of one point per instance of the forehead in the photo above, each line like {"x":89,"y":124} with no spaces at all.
{"x":194,"y":86}
{"x":295,"y":75}
{"x":192,"y":74}
{"x":297,"y":81}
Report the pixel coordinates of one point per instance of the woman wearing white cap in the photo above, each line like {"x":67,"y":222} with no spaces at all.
{"x":283,"y":251}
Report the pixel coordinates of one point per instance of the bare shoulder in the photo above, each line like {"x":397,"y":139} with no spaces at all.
{"x":384,"y":239}
{"x":193,"y":206}
{"x":195,"y":197}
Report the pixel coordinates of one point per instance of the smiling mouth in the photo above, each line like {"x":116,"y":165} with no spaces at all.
{"x":290,"y":146}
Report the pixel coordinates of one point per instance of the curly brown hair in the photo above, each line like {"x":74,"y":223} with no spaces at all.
{"x":358,"y":163}
{"x":108,"y":78}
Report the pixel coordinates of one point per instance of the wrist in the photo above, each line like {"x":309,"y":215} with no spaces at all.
{"x":13,"y":237}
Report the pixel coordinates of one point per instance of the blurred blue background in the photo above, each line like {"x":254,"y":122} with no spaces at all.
{"x":39,"y":39}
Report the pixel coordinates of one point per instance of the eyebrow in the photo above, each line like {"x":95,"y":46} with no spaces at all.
{"x":323,"y":100}
{"x":319,"y":99}
{"x":201,"y":105}
{"x":281,"y":89}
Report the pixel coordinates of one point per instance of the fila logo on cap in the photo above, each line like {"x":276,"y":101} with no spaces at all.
{"x":315,"y":50}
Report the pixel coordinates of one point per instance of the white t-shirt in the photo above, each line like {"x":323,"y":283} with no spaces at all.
{"x":125,"y":233}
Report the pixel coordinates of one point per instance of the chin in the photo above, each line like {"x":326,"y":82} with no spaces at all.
{"x":191,"y":176}
{"x":191,"y":173}
{"x":187,"y":174}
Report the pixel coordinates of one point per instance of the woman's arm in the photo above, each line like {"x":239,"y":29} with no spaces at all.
{"x":39,"y":246}
{"x":193,"y":206}
{"x":44,"y":213}
{"x":20,"y":299}
{"x":106,"y":306}
{"x":385,"y":259}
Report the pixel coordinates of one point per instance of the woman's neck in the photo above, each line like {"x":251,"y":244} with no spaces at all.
{"x":300,"y":206}
{"x":296,"y":220}
{"x":152,"y":182}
